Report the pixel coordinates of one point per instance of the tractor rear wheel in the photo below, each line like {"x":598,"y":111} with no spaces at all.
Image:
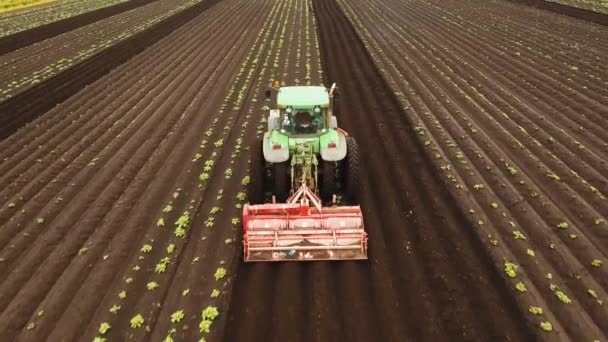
{"x":281,"y":181}
{"x":351,"y":188}
{"x":255,"y":188}
{"x":329,"y":180}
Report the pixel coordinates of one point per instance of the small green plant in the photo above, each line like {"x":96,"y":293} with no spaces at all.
{"x":137,"y":321}
{"x":104,"y":327}
{"x":535,"y":310}
{"x":511,"y":269}
{"x":160,"y":268}
{"x":114,"y":309}
{"x":546,"y":326}
{"x":563,"y":297}
{"x":562,"y":225}
{"x":122,"y":294}
{"x":596,"y":263}
{"x":180,"y":232}
{"x":167,"y":208}
{"x":521,"y":287}
{"x":208,"y":315}
{"x":219,"y":273}
{"x":160,"y":222}
{"x":170,"y":248}
{"x":146,"y":249}
{"x":215,"y":293}
{"x":511,"y":169}
{"x":478,"y":186}
{"x":518,"y":235}
{"x":177,"y":316}
{"x":151,"y":286}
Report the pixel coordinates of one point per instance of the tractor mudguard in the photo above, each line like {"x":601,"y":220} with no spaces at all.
{"x":271,"y":154}
{"x":329,"y":139}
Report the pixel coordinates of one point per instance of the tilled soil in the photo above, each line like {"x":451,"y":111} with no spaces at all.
{"x":93,"y":190}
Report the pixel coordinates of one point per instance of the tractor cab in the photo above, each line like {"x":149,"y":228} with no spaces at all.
{"x":302,"y":110}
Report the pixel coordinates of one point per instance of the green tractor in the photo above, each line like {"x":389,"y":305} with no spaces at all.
{"x":304,"y":146}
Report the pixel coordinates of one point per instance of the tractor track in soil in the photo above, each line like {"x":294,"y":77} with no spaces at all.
{"x":36,"y":34}
{"x":424,"y":259}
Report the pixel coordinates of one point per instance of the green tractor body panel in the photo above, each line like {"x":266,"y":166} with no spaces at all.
{"x":278,"y":138}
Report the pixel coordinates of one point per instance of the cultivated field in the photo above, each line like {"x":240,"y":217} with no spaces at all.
{"x":484,"y":156}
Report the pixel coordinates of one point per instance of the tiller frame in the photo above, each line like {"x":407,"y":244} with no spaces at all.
{"x":299,"y":231}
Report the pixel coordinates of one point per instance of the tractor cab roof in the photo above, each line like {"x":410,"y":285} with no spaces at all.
{"x":302,"y":96}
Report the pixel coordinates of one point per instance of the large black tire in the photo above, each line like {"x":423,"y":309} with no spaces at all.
{"x":281,"y":180}
{"x":352,"y":180}
{"x":329,"y":180}
{"x":255,"y":188}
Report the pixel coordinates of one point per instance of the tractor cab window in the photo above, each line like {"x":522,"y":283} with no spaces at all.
{"x":302,"y":120}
